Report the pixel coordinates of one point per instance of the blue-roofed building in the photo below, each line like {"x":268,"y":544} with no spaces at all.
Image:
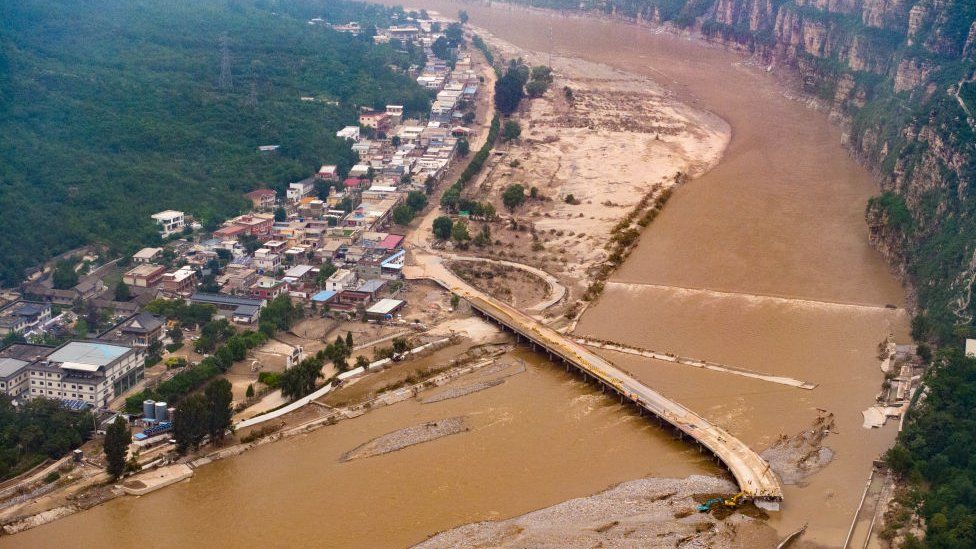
{"x":324,"y":296}
{"x":94,"y":372}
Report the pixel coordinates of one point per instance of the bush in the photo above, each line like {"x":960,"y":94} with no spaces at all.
{"x":271,"y":379}
{"x":511,"y":130}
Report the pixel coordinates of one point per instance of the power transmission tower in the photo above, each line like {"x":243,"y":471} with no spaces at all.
{"x":226,"y":80}
{"x":252,"y":98}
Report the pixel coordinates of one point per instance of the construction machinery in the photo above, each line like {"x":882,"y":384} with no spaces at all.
{"x":707,"y":506}
{"x":730,"y":502}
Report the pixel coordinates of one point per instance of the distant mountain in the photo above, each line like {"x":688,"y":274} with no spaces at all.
{"x":111,"y":110}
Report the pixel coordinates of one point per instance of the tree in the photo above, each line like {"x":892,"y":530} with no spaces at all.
{"x":451,"y":197}
{"x":116,"y":446}
{"x":400,"y":345}
{"x":249,"y":393}
{"x":362,"y":362}
{"x":483,"y":238}
{"x":511,"y":130}
{"x":403,"y":215}
{"x":463,"y":147}
{"x":299,"y":380}
{"x":416,"y":200}
{"x":442,"y":48}
{"x":190,"y":423}
{"x":219,"y":396}
{"x":513,"y":197}
{"x":395,"y":140}
{"x":65,"y":277}
{"x":250,"y":243}
{"x":280,"y":214}
{"x":542,"y":73}
{"x":122,"y":292}
{"x":81,"y":328}
{"x":454,"y":34}
{"x":459,"y":233}
{"x":175,"y":333}
{"x":509,"y":89}
{"x":442,"y":227}
{"x":463,"y":17}
{"x":349,"y":340}
{"x":536,"y":88}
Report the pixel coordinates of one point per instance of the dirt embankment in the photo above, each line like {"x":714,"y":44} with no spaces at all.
{"x":648,"y":512}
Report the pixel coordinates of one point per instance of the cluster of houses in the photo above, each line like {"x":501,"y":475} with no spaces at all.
{"x":333,"y":250}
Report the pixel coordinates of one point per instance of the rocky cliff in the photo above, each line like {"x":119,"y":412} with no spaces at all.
{"x":900,"y":74}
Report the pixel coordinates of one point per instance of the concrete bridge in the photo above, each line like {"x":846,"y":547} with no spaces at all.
{"x":751,"y":472}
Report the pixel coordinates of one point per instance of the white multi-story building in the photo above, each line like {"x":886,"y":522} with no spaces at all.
{"x":266,"y":261}
{"x":13,"y":376}
{"x":298,"y":191}
{"x":92,"y":372}
{"x":343,"y":279}
{"x":170,"y":222}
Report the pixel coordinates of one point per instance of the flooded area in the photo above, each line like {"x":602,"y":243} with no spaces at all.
{"x":763,"y":264}
{"x":540,"y":438}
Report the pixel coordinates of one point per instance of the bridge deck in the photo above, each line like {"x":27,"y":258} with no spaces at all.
{"x":751,"y":471}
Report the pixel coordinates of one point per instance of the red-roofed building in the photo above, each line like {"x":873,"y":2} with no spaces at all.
{"x":256,"y":225}
{"x":262,"y":198}
{"x":232,"y":231}
{"x":390,"y":243}
{"x":354,"y":183}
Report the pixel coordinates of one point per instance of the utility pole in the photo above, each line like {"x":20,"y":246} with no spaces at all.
{"x":225,"y":81}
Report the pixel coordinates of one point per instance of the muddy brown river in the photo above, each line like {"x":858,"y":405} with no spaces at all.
{"x":763,"y":263}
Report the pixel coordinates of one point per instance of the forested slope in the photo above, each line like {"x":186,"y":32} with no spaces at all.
{"x":111,"y":110}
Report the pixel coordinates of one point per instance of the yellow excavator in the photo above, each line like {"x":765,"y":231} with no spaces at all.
{"x":731,"y":502}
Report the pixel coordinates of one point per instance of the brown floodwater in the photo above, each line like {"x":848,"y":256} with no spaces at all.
{"x":780,"y":217}
{"x":756,"y":264}
{"x":542,"y":437}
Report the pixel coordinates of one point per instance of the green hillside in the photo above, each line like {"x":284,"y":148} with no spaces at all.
{"x":111,"y":110}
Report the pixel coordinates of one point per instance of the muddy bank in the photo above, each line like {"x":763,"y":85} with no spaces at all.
{"x":650,"y":512}
{"x":400,"y":439}
{"x":797,"y":457}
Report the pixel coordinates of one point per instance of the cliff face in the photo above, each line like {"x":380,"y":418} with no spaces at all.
{"x":902,"y":74}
